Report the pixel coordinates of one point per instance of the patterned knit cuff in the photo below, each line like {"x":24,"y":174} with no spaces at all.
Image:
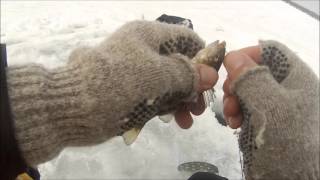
{"x":41,"y":100}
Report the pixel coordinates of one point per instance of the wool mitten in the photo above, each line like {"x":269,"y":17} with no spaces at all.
{"x":140,"y":71}
{"x":279,"y":136}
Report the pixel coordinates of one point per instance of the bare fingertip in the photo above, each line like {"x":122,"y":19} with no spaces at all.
{"x":235,"y":122}
{"x":183,"y":119}
{"x":208,"y":77}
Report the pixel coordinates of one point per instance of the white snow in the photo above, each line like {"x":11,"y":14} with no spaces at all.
{"x":46,"y":32}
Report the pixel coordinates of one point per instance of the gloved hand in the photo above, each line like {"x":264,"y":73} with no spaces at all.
{"x":279,"y":100}
{"x":103,"y":91}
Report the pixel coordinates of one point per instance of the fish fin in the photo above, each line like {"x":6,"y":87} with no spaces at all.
{"x":209,"y":97}
{"x":130,"y":136}
{"x":166,"y":118}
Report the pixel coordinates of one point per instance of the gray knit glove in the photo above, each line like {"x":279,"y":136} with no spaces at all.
{"x":103,"y":91}
{"x":280,"y":133}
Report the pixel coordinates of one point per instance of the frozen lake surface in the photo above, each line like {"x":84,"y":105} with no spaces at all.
{"x":46,"y":32}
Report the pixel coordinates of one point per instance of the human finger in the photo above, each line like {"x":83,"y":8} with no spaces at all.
{"x":235,"y":122}
{"x":208,"y":77}
{"x":231,"y":106}
{"x":198,"y":107}
{"x":236,"y":63}
{"x":254,"y":52}
{"x":183,"y":118}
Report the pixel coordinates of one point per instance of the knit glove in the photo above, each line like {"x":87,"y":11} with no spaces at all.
{"x":279,"y":136}
{"x":140,"y":71}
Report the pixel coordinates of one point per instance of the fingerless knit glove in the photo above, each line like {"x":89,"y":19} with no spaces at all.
{"x":140,"y":71}
{"x":280,"y":100}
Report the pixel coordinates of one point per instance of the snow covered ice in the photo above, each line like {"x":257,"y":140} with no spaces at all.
{"x":46,"y":32}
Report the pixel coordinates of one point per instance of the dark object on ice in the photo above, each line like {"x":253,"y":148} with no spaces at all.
{"x":33,"y":173}
{"x":206,"y":176}
{"x":220,"y":119}
{"x":11,"y":161}
{"x":197,"y":166}
{"x":175,"y":20}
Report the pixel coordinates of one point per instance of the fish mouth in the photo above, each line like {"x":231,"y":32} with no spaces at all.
{"x":212,"y":55}
{"x":220,"y":53}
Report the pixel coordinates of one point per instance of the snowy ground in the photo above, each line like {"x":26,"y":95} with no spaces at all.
{"x":46,"y":32}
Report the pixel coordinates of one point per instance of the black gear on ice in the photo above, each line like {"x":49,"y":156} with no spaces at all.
{"x":175,"y":20}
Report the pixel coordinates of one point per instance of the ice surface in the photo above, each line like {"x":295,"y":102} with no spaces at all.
{"x":46,"y":32}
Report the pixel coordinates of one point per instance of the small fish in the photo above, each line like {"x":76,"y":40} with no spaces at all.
{"x":212,"y":55}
